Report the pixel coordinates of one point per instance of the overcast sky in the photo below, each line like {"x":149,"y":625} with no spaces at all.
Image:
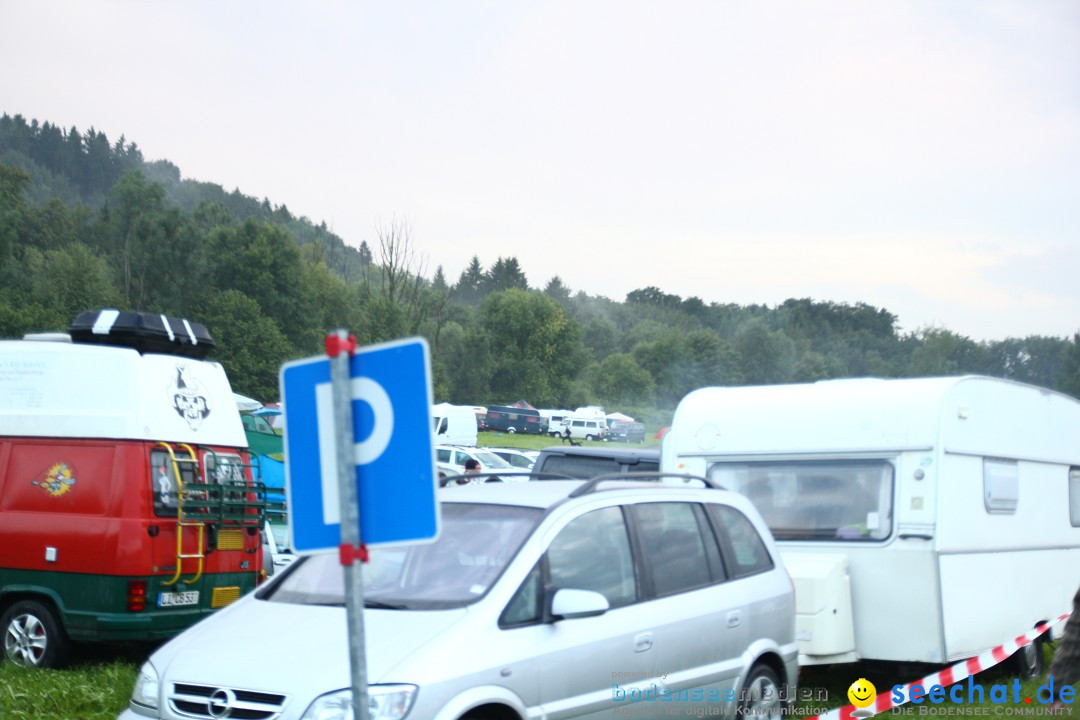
{"x":923,"y":157}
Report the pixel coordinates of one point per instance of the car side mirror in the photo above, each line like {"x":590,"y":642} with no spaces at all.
{"x":569,"y":604}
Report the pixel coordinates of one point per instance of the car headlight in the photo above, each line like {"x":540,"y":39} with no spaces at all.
{"x":145,"y":693}
{"x":385,"y":702}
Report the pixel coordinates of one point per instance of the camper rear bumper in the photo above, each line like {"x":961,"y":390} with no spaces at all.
{"x":131,"y":626}
{"x":848,"y":657}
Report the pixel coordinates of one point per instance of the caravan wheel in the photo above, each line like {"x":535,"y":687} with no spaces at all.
{"x":1027,"y":662}
{"x":511,"y":430}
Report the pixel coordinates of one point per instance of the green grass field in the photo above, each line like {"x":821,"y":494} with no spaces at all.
{"x":96,"y":686}
{"x":539,"y":442}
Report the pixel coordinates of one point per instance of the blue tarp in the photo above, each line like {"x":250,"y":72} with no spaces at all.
{"x":273,"y":476}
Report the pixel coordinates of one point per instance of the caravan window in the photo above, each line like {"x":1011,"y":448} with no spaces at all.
{"x":1001,"y":486}
{"x":816,"y":500}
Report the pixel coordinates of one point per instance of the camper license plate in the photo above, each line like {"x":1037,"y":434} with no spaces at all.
{"x":190,"y":597}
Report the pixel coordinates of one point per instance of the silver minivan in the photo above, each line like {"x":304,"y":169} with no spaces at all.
{"x":558,"y":599}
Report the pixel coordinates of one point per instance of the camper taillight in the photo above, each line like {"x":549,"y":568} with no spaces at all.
{"x":136,"y":595}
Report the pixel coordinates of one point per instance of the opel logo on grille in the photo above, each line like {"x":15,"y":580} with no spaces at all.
{"x":221,"y":703}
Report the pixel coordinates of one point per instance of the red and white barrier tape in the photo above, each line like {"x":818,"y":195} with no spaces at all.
{"x":945,"y":678}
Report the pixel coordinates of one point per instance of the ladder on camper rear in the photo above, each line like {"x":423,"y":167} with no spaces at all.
{"x":200,"y":504}
{"x":182,"y":493}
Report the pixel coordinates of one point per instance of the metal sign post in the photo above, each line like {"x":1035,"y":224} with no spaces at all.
{"x":359,"y":450}
{"x":340,"y":347}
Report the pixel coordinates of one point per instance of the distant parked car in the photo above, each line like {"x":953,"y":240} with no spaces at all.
{"x":626,"y":432}
{"x":520,"y":459}
{"x":451,"y":459}
{"x":564,"y":599}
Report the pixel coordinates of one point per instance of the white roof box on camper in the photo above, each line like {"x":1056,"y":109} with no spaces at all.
{"x":92,"y":388}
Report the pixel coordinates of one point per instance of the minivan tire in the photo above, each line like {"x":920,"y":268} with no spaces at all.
{"x":33,"y":637}
{"x":761,"y":680}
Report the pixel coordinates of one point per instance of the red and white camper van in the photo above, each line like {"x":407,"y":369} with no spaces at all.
{"x":129,"y":508}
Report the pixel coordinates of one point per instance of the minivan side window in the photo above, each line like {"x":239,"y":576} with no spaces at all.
{"x":672,"y":546}
{"x":745,"y":551}
{"x":524,"y":608}
{"x":593,"y":553}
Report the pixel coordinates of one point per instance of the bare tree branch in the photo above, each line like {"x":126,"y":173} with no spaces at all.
{"x":402,"y":269}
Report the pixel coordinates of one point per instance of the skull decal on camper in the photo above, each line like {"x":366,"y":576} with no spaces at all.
{"x":189,"y":397}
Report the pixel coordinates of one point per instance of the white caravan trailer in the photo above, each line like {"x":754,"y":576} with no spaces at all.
{"x":454,"y":424}
{"x":921,"y":520}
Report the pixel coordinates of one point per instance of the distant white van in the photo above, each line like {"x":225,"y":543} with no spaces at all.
{"x":454,"y":424}
{"x":582,"y":428}
{"x":922,"y":520}
{"x":553,"y":418}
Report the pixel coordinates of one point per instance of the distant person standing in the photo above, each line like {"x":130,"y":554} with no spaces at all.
{"x":1066,"y":666}
{"x":472,"y":468}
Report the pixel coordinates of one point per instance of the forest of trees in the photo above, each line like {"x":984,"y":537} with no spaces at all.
{"x":85,"y":223}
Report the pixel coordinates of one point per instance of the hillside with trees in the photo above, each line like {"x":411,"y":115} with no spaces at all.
{"x":88,"y":223}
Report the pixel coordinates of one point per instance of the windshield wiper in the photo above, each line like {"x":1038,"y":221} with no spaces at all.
{"x":380,"y":605}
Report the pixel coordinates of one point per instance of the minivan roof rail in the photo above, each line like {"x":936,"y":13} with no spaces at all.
{"x":496,"y":475}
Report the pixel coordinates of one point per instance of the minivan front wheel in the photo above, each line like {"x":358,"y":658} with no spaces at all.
{"x":760,"y":697}
{"x":33,"y":636}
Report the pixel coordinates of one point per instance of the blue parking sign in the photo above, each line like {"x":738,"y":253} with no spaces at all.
{"x":393,"y":447}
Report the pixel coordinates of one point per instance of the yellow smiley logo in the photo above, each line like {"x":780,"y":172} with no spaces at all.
{"x":862,"y":693}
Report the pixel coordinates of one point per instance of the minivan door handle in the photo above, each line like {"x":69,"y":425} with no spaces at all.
{"x":643,"y":642}
{"x":733,"y":619}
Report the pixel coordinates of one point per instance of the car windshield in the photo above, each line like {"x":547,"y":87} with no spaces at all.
{"x":517,"y":459}
{"x":490,"y":459}
{"x":475,"y":544}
